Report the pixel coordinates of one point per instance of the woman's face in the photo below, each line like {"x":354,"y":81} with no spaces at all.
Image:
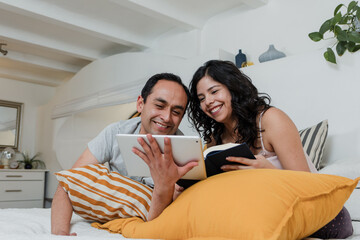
{"x":215,"y":100}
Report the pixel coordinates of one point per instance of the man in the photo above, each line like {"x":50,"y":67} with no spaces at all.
{"x":162,"y":105}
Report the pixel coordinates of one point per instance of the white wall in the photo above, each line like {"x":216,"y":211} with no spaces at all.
{"x":63,"y":140}
{"x":32,"y":96}
{"x":312,"y":92}
{"x":73,"y":133}
{"x":292,"y":82}
{"x":285,"y":23}
{"x":116,"y":71}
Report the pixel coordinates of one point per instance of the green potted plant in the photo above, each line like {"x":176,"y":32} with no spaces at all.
{"x":344,"y":27}
{"x":31,"y":162}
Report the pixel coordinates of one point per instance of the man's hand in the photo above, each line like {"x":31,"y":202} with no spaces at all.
{"x":164,"y":172}
{"x":61,"y":207}
{"x":162,"y":167}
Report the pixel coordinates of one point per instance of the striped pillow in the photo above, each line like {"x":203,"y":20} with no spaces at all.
{"x":100,"y":195}
{"x":313,"y":140}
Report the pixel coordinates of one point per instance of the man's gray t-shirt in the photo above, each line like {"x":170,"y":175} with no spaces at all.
{"x":105,"y":147}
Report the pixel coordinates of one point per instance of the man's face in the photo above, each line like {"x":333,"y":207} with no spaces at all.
{"x":164,"y":108}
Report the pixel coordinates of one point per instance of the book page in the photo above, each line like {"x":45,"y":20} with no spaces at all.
{"x":219,"y":147}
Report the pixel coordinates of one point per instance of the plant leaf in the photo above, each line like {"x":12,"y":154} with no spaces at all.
{"x":358,"y":13}
{"x":315,"y":36}
{"x":356,"y":48}
{"x":351,"y":6}
{"x":338,"y":8}
{"x":341,"y":48}
{"x":35,"y":156}
{"x":337,"y":18}
{"x":325,"y":27}
{"x":340,"y":34}
{"x":344,"y":20}
{"x":351,"y":46}
{"x":40,"y":163}
{"x":354,"y":37}
{"x":329,"y":55}
{"x":25,"y":157}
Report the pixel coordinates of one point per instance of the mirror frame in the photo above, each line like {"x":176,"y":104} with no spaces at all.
{"x":18,"y":107}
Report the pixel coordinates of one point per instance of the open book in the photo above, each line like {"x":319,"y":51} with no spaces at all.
{"x":215,"y":157}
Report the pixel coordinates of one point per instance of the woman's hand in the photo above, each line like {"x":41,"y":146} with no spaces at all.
{"x":177,"y":192}
{"x":259,"y":162}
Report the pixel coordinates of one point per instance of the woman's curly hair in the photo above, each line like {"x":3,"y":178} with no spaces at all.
{"x":246,"y":103}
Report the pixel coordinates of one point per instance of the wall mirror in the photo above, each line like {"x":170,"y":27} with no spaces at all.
{"x":10,"y":118}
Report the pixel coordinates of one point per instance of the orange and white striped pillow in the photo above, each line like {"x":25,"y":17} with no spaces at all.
{"x":100,"y":195}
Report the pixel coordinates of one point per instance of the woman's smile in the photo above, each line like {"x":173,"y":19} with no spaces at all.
{"x":215,"y":100}
{"x":215,"y":110}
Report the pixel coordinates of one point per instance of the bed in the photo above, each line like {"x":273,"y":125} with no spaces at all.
{"x":350,"y":168}
{"x":34,"y":223}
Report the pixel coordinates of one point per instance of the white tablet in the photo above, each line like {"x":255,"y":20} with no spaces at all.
{"x":184,"y":149}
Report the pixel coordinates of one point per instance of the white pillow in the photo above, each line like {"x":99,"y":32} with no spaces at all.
{"x":352,"y":205}
{"x":349,"y":168}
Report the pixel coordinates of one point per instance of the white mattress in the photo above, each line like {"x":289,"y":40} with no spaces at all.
{"x":356,"y":234}
{"x":34,"y":224}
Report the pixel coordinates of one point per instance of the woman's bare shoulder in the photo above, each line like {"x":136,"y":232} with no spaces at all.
{"x":275,"y":117}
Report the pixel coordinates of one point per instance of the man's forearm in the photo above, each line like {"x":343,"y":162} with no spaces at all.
{"x":61,"y":212}
{"x":61,"y":209}
{"x":161,"y":198}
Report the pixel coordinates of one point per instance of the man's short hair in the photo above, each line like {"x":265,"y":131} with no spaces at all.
{"x":147,"y":89}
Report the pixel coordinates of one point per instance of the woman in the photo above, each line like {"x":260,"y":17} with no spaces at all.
{"x":227,"y":108}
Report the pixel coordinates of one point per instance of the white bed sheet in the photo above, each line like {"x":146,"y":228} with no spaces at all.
{"x":356,"y":234}
{"x":349,"y":168}
{"x":34,"y":224}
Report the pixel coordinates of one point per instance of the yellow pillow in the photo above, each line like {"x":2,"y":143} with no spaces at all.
{"x":247,"y":204}
{"x":100,"y":195}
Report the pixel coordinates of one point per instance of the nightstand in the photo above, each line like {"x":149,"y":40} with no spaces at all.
{"x":22,"y":188}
